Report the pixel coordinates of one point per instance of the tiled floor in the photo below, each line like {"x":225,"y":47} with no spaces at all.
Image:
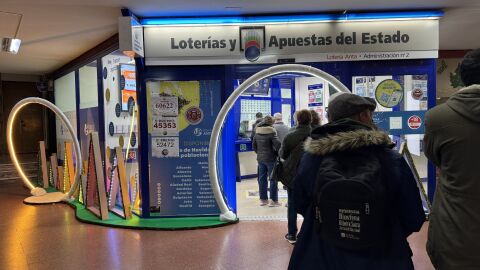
{"x":49,"y":237}
{"x":248,"y":203}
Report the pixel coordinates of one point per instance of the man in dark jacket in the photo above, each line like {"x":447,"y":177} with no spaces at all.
{"x":293,"y":140}
{"x":259,"y":119}
{"x":266,"y":145}
{"x":351,"y":129}
{"x":452,"y":144}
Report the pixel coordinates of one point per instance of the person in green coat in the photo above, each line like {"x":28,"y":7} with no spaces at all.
{"x":452,"y":143}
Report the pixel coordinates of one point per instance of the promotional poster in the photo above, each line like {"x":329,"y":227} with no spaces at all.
{"x":181,"y":117}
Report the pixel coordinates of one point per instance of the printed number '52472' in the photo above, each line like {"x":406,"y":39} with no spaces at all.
{"x":165,"y":144}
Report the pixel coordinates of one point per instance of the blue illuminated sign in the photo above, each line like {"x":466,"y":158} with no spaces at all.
{"x":293,"y":19}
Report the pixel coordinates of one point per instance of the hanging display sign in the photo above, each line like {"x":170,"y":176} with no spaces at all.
{"x":400,"y":122}
{"x":130,"y":36}
{"x":260,"y":87}
{"x":304,"y":42}
{"x":182,"y":114}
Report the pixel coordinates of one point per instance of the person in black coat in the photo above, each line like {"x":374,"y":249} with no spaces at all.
{"x":294,"y":138}
{"x":266,"y":144}
{"x":259,"y":119}
{"x":351,"y":129}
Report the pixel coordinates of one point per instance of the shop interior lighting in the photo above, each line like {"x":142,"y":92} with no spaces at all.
{"x":282,"y":19}
{"x":9,"y":44}
{"x":39,"y":192}
{"x":225,"y":213}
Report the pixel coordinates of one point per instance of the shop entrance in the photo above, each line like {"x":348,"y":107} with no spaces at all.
{"x":279,"y":96}
{"x":414,"y":96}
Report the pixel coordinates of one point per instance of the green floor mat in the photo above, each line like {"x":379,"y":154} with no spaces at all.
{"x":171,"y":223}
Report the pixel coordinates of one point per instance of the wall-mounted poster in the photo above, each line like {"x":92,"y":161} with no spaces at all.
{"x":128,"y":86}
{"x":181,"y":117}
{"x":315,"y":95}
{"x":389,"y":93}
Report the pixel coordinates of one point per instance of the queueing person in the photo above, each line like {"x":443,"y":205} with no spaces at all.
{"x":358,"y":196}
{"x":316,"y":122}
{"x":452,"y":144}
{"x":291,"y":152}
{"x":259,"y":118}
{"x":266,"y":145}
{"x":279,"y":126}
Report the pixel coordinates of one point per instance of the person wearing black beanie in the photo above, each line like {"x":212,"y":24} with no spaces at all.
{"x":452,"y":144}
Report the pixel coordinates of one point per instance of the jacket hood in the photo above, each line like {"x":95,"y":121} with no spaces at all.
{"x":466,"y":102}
{"x":344,"y":135}
{"x":265,"y":130}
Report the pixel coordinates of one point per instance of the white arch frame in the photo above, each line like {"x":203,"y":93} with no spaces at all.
{"x":36,"y":191}
{"x":227,"y":214}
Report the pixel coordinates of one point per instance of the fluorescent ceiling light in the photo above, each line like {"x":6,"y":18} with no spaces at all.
{"x":304,"y":18}
{"x":11,"y":45}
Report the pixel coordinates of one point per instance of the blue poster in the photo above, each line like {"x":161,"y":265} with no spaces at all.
{"x":181,"y":118}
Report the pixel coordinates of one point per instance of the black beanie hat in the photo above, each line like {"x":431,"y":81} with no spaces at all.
{"x":470,"y":68}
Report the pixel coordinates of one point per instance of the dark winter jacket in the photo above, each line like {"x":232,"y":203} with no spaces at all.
{"x":296,"y":136}
{"x":254,"y":127}
{"x":292,"y":152}
{"x":452,"y":143}
{"x":405,"y":207}
{"x":314,"y":126}
{"x":266,"y":143}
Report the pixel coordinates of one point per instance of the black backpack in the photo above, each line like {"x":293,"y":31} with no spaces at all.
{"x":350,"y":200}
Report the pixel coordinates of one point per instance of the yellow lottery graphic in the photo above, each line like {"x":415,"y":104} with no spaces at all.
{"x":171,"y":99}
{"x":389,"y":93}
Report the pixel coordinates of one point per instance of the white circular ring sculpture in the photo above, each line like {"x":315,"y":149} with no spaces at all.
{"x":38,"y":192}
{"x":227,"y":214}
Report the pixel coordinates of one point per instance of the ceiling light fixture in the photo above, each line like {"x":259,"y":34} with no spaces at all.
{"x":9,"y":44}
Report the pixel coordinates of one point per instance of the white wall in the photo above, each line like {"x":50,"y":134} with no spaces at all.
{"x":88,"y":87}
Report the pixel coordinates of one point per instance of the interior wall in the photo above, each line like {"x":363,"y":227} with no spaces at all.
{"x":30,"y":121}
{"x":448,"y":77}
